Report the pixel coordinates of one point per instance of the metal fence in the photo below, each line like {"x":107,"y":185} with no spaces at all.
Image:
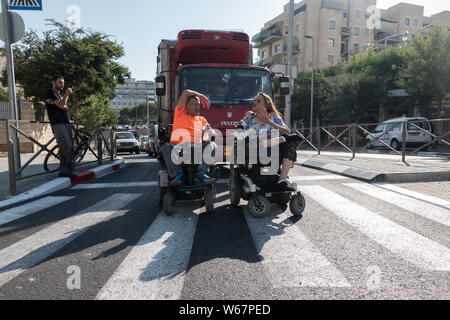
{"x":402,"y":137}
{"x":5,"y":112}
{"x":102,"y":146}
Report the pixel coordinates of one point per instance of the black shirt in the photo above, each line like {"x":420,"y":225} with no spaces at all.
{"x":55,"y":114}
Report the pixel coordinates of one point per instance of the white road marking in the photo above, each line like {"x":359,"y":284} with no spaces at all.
{"x":315,"y":178}
{"x":418,"y":207}
{"x":290,"y":258}
{"x":417,"y":249}
{"x":28,"y":252}
{"x":30,"y":208}
{"x":156,"y":267}
{"x":414,"y":194}
{"x":115,"y":185}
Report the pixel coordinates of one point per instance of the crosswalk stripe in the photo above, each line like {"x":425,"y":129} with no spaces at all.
{"x":155,"y":268}
{"x":418,"y":207}
{"x":317,"y":178}
{"x":115,"y":185}
{"x":414,"y":194}
{"x":421,"y":251}
{"x":28,"y":252}
{"x":9,"y":215}
{"x":290,"y":258}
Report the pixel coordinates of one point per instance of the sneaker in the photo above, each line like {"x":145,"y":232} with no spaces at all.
{"x":203,"y":178}
{"x":177,"y":181}
{"x":283,"y":187}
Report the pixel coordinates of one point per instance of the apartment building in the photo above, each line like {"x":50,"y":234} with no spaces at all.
{"x":133,"y":93}
{"x":339,"y":28}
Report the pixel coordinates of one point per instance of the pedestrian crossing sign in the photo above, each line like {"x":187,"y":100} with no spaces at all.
{"x":25,"y":4}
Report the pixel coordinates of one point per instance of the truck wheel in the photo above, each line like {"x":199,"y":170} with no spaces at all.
{"x":169,"y":203}
{"x":210,"y":199}
{"x":297,"y":204}
{"x":258,"y":206}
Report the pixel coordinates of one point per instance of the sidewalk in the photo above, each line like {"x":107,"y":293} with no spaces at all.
{"x":378,"y":167}
{"x":49,"y":182}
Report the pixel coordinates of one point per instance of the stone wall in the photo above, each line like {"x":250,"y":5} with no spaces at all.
{"x":40,"y":132}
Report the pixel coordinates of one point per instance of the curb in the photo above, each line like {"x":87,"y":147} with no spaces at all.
{"x":64,"y":183}
{"x":372,"y":176}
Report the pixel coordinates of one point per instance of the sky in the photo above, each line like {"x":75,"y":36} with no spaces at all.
{"x":139,"y":25}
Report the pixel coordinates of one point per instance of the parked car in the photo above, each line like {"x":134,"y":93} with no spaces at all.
{"x":152,"y":145}
{"x":126,"y":142}
{"x":392,"y":130}
{"x":143,"y":140}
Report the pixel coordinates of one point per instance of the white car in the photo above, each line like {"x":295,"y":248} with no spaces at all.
{"x":391,"y":132}
{"x":126,"y":142}
{"x":143,"y":140}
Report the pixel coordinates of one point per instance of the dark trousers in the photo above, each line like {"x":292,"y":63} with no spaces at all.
{"x":64,"y":138}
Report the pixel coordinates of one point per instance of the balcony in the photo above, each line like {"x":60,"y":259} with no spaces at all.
{"x":346,"y":33}
{"x":269,"y":35}
{"x":274,"y":59}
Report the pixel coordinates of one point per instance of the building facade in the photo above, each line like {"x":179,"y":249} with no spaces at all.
{"x":133,"y":93}
{"x":339,"y":28}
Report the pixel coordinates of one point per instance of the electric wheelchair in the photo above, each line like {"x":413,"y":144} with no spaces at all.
{"x":251,"y":181}
{"x":168,"y":195}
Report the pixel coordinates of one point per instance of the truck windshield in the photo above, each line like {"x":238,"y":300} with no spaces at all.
{"x":227,"y":85}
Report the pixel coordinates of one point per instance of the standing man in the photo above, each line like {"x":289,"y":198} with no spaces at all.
{"x":57,"y":111}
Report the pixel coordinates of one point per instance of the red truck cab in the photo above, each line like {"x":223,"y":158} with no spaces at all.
{"x":217,"y":64}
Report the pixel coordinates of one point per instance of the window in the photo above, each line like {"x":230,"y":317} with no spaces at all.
{"x":344,"y":14}
{"x":416,"y":23}
{"x":366,"y":32}
{"x":332,"y":25}
{"x":406,"y":21}
{"x":356,"y":47}
{"x":264,"y":54}
{"x":330,"y":60}
{"x":358,"y":14}
{"x":277,"y":48}
{"x":331,"y":42}
{"x":297,"y":28}
{"x":356,"y":33}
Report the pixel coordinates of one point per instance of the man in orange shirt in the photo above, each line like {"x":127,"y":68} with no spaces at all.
{"x":188,"y":127}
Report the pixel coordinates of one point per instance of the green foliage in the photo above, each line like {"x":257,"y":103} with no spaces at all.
{"x":86,"y":59}
{"x":427,"y":75}
{"x":129,"y":114}
{"x":96,"y":112}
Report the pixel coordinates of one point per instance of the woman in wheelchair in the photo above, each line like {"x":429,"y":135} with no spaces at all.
{"x":188,"y":127}
{"x":265,"y":117}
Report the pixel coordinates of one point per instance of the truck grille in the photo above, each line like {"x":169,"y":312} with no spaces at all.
{"x":192,"y":35}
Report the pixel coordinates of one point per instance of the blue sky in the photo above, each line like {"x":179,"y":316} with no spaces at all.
{"x":139,"y":25}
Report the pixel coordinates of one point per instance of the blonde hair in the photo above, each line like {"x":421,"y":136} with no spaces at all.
{"x":270,"y":106}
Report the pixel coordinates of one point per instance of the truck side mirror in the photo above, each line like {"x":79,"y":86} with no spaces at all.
{"x":284,"y":86}
{"x":160,"y":86}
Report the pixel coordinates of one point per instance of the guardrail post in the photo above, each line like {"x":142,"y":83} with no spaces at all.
{"x":354,"y":138}
{"x":11,"y":161}
{"x":99,"y":146}
{"x":404,"y":128}
{"x":112,"y":145}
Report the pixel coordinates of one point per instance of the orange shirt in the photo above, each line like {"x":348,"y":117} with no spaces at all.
{"x":186,"y":128}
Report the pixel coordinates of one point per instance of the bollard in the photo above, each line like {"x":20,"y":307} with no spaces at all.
{"x":99,"y":146}
{"x":405,"y":124}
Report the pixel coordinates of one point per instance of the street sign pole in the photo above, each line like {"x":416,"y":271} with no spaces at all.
{"x":287,"y":112}
{"x":11,"y":78}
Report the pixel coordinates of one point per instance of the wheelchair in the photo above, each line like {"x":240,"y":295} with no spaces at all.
{"x":168,"y":195}
{"x":249,"y":182}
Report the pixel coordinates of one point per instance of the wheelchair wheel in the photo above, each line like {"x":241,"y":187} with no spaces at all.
{"x":259,"y":206}
{"x":235,"y":189}
{"x":210,"y":198}
{"x":297,"y":204}
{"x":169,"y":203}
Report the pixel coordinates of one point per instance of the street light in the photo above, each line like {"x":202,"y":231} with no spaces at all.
{"x":312,"y":88}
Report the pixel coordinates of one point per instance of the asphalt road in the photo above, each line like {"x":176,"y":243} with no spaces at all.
{"x":108,"y":239}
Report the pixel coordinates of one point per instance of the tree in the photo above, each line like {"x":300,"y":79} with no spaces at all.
{"x":128,"y":114}
{"x":96,"y":112}
{"x":426,"y":75}
{"x":86,"y":59}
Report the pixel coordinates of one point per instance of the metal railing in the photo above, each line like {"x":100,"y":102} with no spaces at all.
{"x":357,"y":138}
{"x":103,"y":140}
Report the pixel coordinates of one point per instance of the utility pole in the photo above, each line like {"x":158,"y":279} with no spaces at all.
{"x":11,"y":78}
{"x":312,"y":88}
{"x":287,"y":111}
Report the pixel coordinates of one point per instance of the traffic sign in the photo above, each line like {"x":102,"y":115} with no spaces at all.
{"x":25,"y":4}
{"x":18,"y":27}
